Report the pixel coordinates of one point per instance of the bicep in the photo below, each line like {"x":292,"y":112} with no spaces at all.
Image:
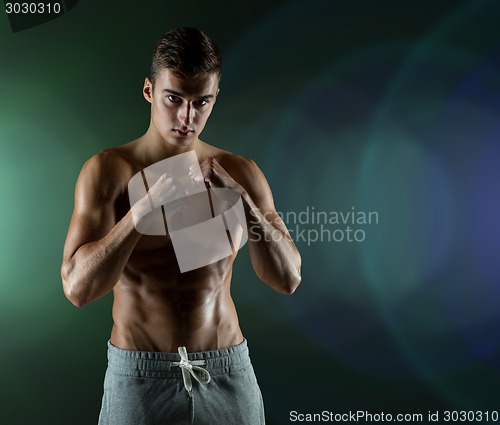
{"x":256,"y":185}
{"x":93,"y":214}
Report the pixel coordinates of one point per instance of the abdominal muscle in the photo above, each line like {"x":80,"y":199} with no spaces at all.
{"x":163,"y":309}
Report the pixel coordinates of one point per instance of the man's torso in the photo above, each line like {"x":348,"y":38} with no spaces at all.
{"x":158,"y":308}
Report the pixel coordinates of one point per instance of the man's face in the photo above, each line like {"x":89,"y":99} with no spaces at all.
{"x":180,"y":108}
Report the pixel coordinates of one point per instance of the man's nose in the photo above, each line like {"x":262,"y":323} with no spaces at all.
{"x":184,"y":114}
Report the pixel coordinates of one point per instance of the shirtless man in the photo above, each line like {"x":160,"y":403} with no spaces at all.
{"x":158,"y":310}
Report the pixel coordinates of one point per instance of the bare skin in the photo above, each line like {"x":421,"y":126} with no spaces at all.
{"x":156,"y":307}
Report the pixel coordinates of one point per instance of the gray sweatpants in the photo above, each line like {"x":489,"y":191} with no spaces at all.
{"x":149,"y":388}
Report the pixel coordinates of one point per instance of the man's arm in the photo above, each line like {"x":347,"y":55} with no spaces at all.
{"x":97,"y":248}
{"x":274,"y":256}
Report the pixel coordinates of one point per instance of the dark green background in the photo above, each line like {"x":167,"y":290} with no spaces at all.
{"x":382,"y":106}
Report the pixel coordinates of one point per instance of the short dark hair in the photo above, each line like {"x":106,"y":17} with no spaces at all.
{"x":188,"y":52}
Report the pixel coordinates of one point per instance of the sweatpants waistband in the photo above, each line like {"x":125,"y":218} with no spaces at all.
{"x":147,"y":364}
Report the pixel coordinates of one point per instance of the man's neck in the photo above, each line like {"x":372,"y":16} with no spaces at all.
{"x":156,"y":148}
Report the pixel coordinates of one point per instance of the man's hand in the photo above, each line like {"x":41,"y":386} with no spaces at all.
{"x":216,"y":176}
{"x":167,"y":189}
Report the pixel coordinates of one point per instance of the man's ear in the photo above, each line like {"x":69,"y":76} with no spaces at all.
{"x":147,"y":90}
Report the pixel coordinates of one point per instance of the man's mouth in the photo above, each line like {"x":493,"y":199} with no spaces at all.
{"x":182,"y":133}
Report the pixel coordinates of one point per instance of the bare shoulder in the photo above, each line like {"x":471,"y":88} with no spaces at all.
{"x":115,"y":159}
{"x":244,"y":170}
{"x":107,"y":172}
{"x":247,"y":173}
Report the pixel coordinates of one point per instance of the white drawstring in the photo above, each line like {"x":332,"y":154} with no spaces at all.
{"x":189,"y":368}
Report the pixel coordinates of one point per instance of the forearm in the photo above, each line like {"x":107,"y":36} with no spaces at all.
{"x":275,"y":257}
{"x":94,"y":269}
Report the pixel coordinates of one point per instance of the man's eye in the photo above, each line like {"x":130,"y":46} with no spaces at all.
{"x":173,"y":98}
{"x":201,"y":102}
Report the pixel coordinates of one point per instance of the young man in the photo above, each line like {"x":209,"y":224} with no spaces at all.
{"x":176,"y":353}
